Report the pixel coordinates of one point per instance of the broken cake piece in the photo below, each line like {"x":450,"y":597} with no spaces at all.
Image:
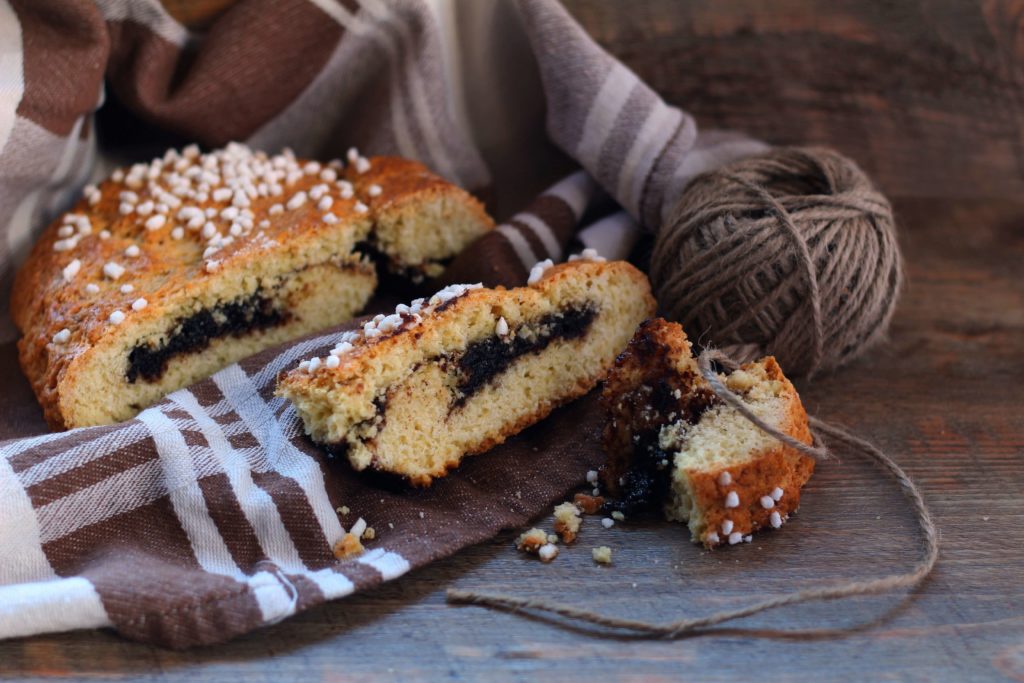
{"x":414,"y":392}
{"x":673,"y":444}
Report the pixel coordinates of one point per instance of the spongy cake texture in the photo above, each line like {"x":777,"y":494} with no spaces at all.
{"x":416,"y":391}
{"x":168,"y":271}
{"x":672,"y":443}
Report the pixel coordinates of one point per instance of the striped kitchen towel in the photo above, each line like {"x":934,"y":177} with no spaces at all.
{"x":210,"y":514}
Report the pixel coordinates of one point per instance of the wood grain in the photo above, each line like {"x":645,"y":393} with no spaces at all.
{"x":928,"y":96}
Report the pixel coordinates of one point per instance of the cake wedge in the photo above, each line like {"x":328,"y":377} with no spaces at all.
{"x":674,"y":446}
{"x":414,"y":392}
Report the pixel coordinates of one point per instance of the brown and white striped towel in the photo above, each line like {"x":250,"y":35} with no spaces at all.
{"x":210,"y":514}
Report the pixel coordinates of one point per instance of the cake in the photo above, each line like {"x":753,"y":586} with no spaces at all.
{"x":673,"y":445}
{"x":170,"y":270}
{"x":413,"y":392}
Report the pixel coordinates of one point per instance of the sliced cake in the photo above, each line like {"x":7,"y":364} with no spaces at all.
{"x":414,"y":392}
{"x":673,"y":445}
{"x":173,"y":269}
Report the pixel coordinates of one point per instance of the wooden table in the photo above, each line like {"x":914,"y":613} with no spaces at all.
{"x":945,"y":396}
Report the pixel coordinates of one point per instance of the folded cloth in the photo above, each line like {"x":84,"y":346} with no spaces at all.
{"x":211,"y":514}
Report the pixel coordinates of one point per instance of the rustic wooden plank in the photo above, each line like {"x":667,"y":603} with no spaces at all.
{"x":927,"y":95}
{"x":944,"y":397}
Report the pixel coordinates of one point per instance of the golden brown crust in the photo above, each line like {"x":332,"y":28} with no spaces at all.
{"x":174,"y":263}
{"x":782,"y":466}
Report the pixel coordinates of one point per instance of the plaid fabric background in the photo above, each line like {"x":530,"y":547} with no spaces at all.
{"x":210,"y":514}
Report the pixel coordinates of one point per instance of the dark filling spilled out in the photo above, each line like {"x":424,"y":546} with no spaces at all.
{"x":646,"y":483}
{"x":195,"y":332}
{"x":483,"y":360}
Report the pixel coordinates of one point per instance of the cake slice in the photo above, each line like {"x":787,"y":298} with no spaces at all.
{"x":672,"y":444}
{"x":170,"y":270}
{"x":414,"y":392}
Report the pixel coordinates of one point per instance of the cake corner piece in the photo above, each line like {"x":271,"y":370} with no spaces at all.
{"x":673,"y":444}
{"x":414,"y":392}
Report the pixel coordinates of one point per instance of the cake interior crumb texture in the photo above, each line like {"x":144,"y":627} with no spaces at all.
{"x":472,"y":372}
{"x":674,"y":445}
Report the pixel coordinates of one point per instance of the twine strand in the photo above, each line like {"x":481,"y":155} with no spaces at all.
{"x":695,"y":625}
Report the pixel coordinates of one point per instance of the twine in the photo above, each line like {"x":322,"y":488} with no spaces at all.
{"x":793,"y":252}
{"x":698,"y":625}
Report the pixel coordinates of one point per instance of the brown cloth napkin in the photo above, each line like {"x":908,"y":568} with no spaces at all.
{"x":211,"y":514}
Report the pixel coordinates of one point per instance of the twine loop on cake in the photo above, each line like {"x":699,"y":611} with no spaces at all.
{"x":791,"y":253}
{"x":701,"y":625}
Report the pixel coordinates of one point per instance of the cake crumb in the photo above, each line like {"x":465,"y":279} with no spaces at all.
{"x":348,"y":546}
{"x":618,"y":516}
{"x":343,"y":510}
{"x":532,"y":540}
{"x":369,"y":534}
{"x":602,"y":554}
{"x":607,"y":522}
{"x":547,"y":552}
{"x":567,"y":521}
{"x":590,"y":505}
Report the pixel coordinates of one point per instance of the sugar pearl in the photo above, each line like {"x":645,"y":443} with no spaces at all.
{"x":116,"y":318}
{"x":374,"y":190}
{"x":71,"y":270}
{"x":156,"y":222}
{"x":139,"y":304}
{"x":777,"y":493}
{"x":727,"y":527}
{"x":538,"y":270}
{"x":127,"y":288}
{"x":776,"y":519}
{"x":724,"y":479}
{"x":62,"y":337}
{"x":113,"y":270}
{"x":92,"y":288}
{"x":732,"y":500}
{"x":501,"y":328}
{"x":132,"y":251}
{"x":767,"y":502}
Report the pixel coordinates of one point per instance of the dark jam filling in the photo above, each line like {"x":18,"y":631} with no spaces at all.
{"x":482,"y":361}
{"x":195,"y":332}
{"x":645,"y":485}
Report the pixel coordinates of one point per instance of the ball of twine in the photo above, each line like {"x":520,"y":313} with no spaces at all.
{"x":791,"y":253}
